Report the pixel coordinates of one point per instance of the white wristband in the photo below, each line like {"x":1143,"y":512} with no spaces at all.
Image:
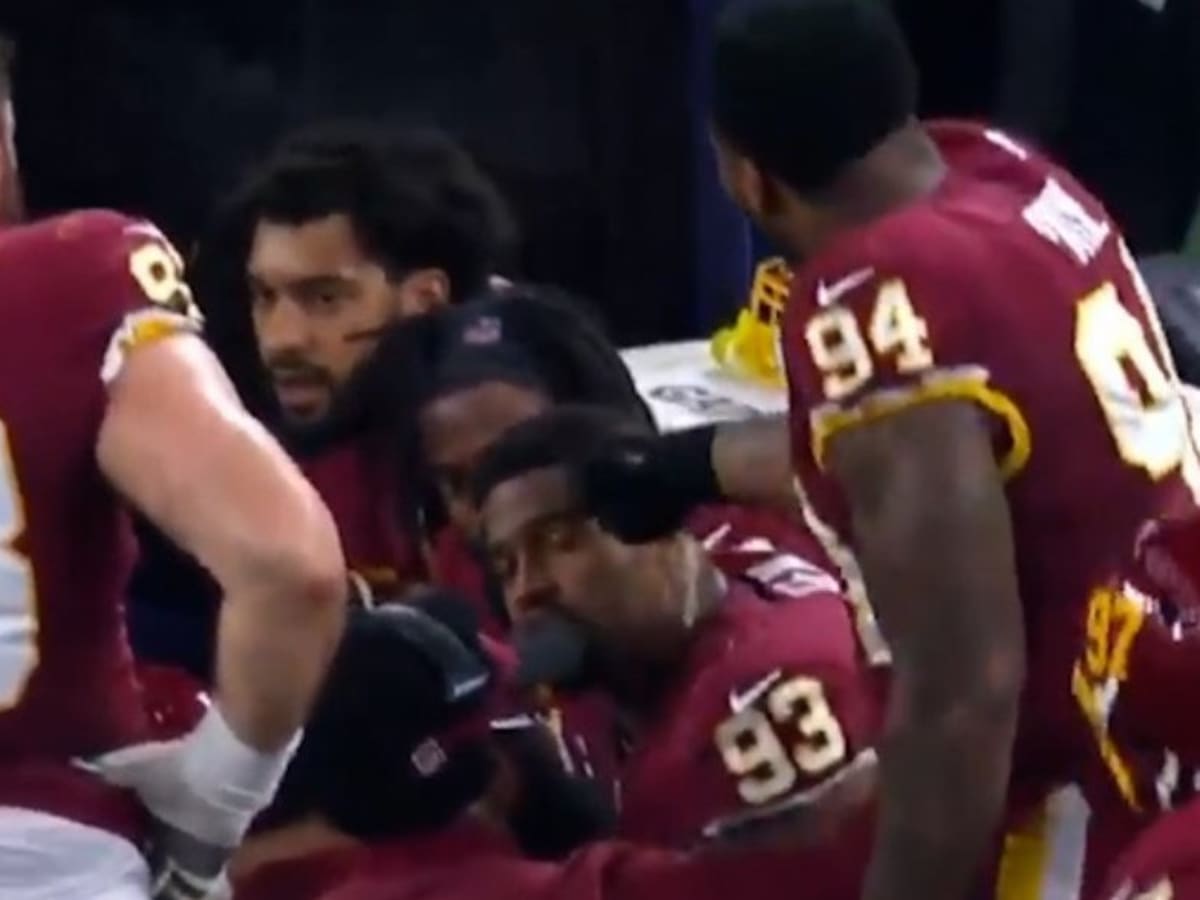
{"x":232,"y":780}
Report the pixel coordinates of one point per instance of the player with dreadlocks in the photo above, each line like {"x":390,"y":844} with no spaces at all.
{"x":444,"y":387}
{"x":449,"y":385}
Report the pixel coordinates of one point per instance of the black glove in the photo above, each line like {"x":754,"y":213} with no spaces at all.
{"x":642,"y":487}
{"x":557,"y":811}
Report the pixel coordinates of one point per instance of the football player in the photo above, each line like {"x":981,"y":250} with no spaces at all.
{"x":341,"y":231}
{"x":399,"y":747}
{"x":401,"y":790}
{"x":1142,"y":660}
{"x":740,"y":709}
{"x":455,"y":381}
{"x":109,"y":396}
{"x":349,"y":232}
{"x":982,"y":412}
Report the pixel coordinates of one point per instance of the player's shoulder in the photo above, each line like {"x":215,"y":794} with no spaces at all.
{"x":963,"y":234}
{"x":89,"y":224}
{"x":815,"y":630}
{"x":908,"y":259}
{"x":813,"y":635}
{"x":99,"y":281}
{"x":779,"y":556}
{"x":86,"y":231}
{"x":92,"y":249}
{"x":729,"y":525}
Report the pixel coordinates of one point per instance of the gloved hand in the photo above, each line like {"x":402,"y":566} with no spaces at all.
{"x":642,"y":487}
{"x":183,"y":863}
{"x":202,"y":792}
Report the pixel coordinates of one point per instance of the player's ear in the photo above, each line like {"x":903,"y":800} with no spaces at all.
{"x":741,"y":178}
{"x":760,"y":190}
{"x":775,"y":197}
{"x":421,"y":292}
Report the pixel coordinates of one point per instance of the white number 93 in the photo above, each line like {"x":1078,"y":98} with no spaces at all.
{"x":769,"y":764}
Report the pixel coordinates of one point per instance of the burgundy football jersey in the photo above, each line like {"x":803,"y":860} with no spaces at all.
{"x":361,"y":496}
{"x":304,"y":877}
{"x":777,"y":555}
{"x":779,"y":558}
{"x":467,"y":861}
{"x":773,"y":552}
{"x":1146,"y":620}
{"x":453,"y":565}
{"x":79,"y":292}
{"x":1151,"y":707}
{"x":1009,"y":287}
{"x":1164,"y":862}
{"x":174,"y":701}
{"x":773,"y":702}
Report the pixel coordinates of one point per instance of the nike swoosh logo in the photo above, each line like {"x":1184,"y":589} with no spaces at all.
{"x":831,"y":293}
{"x":713,"y":541}
{"x":740,"y":700}
{"x":519,"y":722}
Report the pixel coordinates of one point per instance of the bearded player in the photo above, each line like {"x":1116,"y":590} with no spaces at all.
{"x":340,"y":232}
{"x":739,"y":710}
{"x":352,"y":231}
{"x":982,"y":412}
{"x":108,"y":395}
{"x":400,"y":790}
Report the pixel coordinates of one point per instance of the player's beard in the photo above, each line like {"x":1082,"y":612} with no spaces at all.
{"x":307,"y":435}
{"x":352,"y":403}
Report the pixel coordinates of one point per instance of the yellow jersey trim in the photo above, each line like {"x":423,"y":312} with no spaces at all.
{"x":966,"y":383}
{"x":145,"y":326}
{"x":1025,"y":858}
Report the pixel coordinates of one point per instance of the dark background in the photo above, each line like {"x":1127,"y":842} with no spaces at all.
{"x":586,"y":111}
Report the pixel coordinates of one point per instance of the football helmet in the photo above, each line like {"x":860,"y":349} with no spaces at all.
{"x":750,"y":348}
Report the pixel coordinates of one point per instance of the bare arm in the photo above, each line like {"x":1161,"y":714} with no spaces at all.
{"x":178,"y":444}
{"x":931,"y":523}
{"x":753,"y":461}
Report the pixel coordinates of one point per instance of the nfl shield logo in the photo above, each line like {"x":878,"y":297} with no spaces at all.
{"x":484,"y":330}
{"x":429,"y":758}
